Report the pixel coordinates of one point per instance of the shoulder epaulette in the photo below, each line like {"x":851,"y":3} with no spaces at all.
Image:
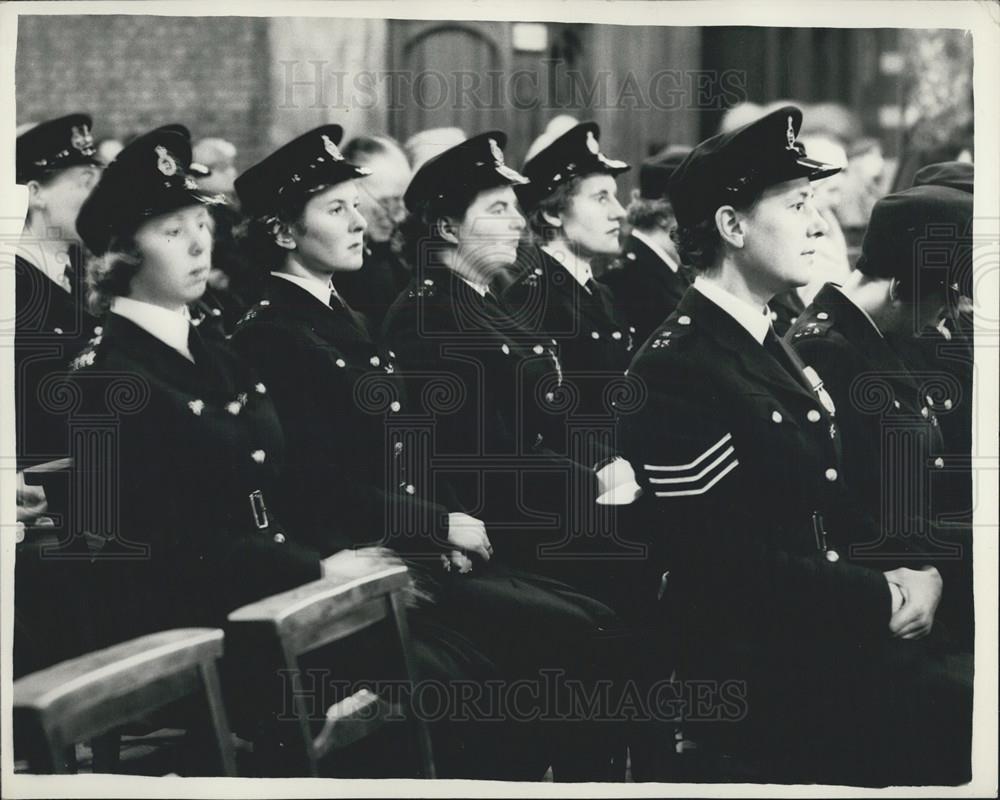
{"x":809,"y":325}
{"x":674,"y":330}
{"x":260,"y":307}
{"x":424,"y":289}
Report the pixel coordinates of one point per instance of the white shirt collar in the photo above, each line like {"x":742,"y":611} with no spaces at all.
{"x":480,"y":289}
{"x":169,"y":327}
{"x":648,"y":241}
{"x":52,"y":267}
{"x":756,"y":320}
{"x":859,"y":308}
{"x":315,"y":288}
{"x":574,"y":265}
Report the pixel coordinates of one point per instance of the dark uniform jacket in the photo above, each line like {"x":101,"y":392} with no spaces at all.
{"x":741,"y":468}
{"x":374,"y":287}
{"x":894,"y":453}
{"x":186,"y":455}
{"x":786,"y":308}
{"x":51,"y":327}
{"x":645,"y":289}
{"x":353,"y":473}
{"x":595,"y":342}
{"x":495,"y":399}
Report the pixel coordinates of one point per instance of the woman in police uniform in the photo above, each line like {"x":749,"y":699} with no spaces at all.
{"x":492,"y":393}
{"x":193,"y":441}
{"x":738,"y":451}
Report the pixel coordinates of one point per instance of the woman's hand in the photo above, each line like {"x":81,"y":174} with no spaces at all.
{"x":468,"y":534}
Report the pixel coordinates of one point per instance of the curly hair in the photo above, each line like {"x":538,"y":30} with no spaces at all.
{"x":419,"y":228}
{"x":700,"y":245}
{"x":646,"y":214}
{"x":553,"y":205}
{"x":256,"y":237}
{"x":109,"y":275}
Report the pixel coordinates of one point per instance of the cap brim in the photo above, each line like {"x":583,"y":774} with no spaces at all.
{"x":815,"y":170}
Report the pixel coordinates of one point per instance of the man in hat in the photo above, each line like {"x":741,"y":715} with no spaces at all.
{"x":737,"y":447}
{"x":907,"y":280}
{"x":649,"y":282}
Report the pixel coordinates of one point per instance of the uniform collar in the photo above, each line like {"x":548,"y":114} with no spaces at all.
{"x":836,"y":287}
{"x":51,"y":266}
{"x":478,"y":288}
{"x":664,"y":256}
{"x":170,"y":327}
{"x":315,"y":288}
{"x":573,"y":264}
{"x":756,"y":320}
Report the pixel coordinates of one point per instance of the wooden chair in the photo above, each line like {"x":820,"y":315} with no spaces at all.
{"x":94,"y":695}
{"x":266,"y":640}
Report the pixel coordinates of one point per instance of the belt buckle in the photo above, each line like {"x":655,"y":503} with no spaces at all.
{"x":258,"y":509}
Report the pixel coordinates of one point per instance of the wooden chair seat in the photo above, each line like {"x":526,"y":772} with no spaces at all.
{"x":265,"y":641}
{"x":96,"y":694}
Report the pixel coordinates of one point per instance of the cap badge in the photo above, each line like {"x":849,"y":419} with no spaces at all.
{"x":166,"y":163}
{"x":592,"y":144}
{"x":496,"y":151}
{"x":331,"y":148}
{"x":81,"y":138}
{"x":790,"y":133}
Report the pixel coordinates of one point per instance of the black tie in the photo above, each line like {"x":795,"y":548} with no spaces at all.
{"x":780,"y":352}
{"x":196,"y":347}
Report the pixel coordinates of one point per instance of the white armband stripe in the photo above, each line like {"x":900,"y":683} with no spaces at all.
{"x":695,"y":463}
{"x":700,"y":475}
{"x":703,"y":489}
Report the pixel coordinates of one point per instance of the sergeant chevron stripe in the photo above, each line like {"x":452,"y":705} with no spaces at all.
{"x":721,"y":460}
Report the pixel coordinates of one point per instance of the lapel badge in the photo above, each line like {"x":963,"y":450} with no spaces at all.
{"x":81,"y":139}
{"x":165,"y":163}
{"x":332,"y":149}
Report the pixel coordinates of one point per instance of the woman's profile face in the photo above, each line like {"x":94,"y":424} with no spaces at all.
{"x":176,"y":251}
{"x":592,"y":222}
{"x":329,"y":237}
{"x":490,"y":230}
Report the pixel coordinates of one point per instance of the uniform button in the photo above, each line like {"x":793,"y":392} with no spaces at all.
{"x":265,"y":303}
{"x":374,"y":361}
{"x":684,"y":320}
{"x":258,"y":456}
{"x":776,"y":416}
{"x":279,"y":538}
{"x":505,"y":349}
{"x":537,"y":349}
{"x":233,"y":408}
{"x":616,"y":335}
{"x":595,"y":335}
{"x":397,"y":448}
{"x":924,"y":412}
{"x":831,"y":474}
{"x":813,"y":415}
{"x":832,"y":556}
{"x":395,"y":406}
{"x":216,"y":312}
{"x":98,"y":330}
{"x":550,"y":397}
{"x":392,"y":354}
{"x":939,"y":462}
{"x":947,"y":403}
{"x":196,"y":406}
{"x":930,"y":400}
{"x":895,"y":404}
{"x":794,"y":320}
{"x":630,"y":256}
{"x":410,"y":489}
{"x":822,"y":315}
{"x":260,"y":388}
{"x":58,"y":330}
{"x":341,"y":363}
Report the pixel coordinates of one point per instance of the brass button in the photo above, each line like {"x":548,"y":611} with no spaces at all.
{"x":939,"y":462}
{"x":831,"y":474}
{"x":813,"y":415}
{"x":279,"y":538}
{"x":776,"y":416}
{"x":684,"y":320}
{"x":832,"y":556}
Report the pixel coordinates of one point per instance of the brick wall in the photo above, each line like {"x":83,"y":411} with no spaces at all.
{"x":133,"y":73}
